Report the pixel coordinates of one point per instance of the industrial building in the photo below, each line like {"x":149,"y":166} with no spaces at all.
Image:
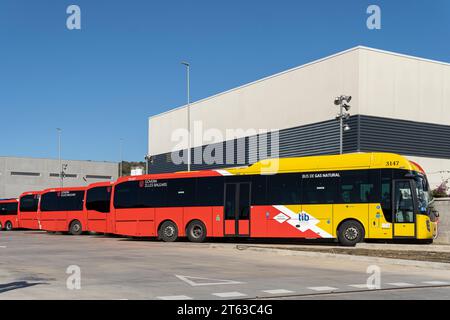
{"x":399,"y":104}
{"x":18,"y":175}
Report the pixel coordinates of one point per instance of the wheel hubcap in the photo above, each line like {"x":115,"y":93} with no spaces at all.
{"x":76,"y":227}
{"x":197,"y":231}
{"x":169,"y":231}
{"x":351,"y":233}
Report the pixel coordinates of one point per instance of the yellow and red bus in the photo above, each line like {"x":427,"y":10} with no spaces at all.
{"x":8,"y":214}
{"x":61,"y":209}
{"x":348,"y":197}
{"x":28,"y":210}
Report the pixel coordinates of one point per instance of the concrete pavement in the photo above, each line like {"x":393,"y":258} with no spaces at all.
{"x":33,"y":265}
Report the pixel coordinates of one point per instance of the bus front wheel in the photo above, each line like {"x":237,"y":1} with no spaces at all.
{"x":75,"y":228}
{"x":8,"y":226}
{"x":168,"y":232}
{"x":350,"y":233}
{"x":196,"y":231}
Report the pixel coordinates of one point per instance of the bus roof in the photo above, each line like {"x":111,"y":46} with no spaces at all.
{"x":63,"y":189}
{"x":8,"y":200}
{"x":351,"y":161}
{"x":100,"y":184}
{"x":27,"y":193}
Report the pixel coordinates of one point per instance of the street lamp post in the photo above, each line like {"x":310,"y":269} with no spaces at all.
{"x":188,"y":71}
{"x":147,"y":159}
{"x":59,"y":130}
{"x":343,"y":103}
{"x":121,"y":157}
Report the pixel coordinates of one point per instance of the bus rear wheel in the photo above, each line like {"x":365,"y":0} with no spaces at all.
{"x":8,"y":226}
{"x":168,"y":232}
{"x":75,"y":228}
{"x":196,"y":231}
{"x":350,"y":233}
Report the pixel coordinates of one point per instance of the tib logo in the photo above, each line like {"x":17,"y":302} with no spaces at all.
{"x":302,"y":216}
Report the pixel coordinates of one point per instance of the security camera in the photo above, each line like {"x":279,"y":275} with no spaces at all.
{"x":346,"y":106}
{"x":347,"y":98}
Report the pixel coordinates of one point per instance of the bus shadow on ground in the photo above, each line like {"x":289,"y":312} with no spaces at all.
{"x":17,"y":285}
{"x":272,"y":241}
{"x":244,"y":241}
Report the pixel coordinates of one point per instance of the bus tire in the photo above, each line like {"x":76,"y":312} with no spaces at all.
{"x":8,"y":226}
{"x":75,"y":228}
{"x":350,"y":233}
{"x":196,"y":231}
{"x":168,"y":232}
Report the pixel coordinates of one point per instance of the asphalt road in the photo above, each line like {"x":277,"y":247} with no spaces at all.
{"x":34,"y":265}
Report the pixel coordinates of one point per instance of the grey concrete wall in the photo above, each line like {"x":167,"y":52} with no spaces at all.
{"x":18,"y":175}
{"x":443,"y":206}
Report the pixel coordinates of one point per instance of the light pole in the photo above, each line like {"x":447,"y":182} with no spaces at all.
{"x":59,"y":130}
{"x":121,"y":157}
{"x":343,"y":103}
{"x":188,"y":71}
{"x":147,"y":159}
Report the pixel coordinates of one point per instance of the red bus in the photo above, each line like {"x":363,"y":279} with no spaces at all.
{"x":61,"y":209}
{"x":170,"y":206}
{"x":28,"y":210}
{"x":8,"y":214}
{"x":97,"y":205}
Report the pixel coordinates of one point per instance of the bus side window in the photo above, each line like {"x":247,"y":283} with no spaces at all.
{"x":12,"y":208}
{"x":320,"y":190}
{"x":209,"y":191}
{"x":356,"y":187}
{"x":283,"y":189}
{"x":259,"y":190}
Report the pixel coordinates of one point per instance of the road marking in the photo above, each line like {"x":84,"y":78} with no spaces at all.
{"x":174,"y":298}
{"x":278,"y":291}
{"x":3,"y":247}
{"x":210,"y":282}
{"x":322,"y":288}
{"x":436,"y":283}
{"x":233,"y":294}
{"x":401,"y":284}
{"x":359,"y":286}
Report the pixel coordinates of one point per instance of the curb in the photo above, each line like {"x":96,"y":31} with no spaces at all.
{"x":288,"y":252}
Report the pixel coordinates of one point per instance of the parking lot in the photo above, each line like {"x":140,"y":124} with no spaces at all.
{"x":33,"y":265}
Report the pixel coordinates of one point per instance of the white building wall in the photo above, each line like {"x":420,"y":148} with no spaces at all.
{"x":299,"y":96}
{"x":402,"y":87}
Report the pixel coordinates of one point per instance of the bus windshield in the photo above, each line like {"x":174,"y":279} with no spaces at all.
{"x":423,"y":194}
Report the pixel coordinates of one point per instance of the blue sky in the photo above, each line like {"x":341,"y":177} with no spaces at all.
{"x":101,"y":83}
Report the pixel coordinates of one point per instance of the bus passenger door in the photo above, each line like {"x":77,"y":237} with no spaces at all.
{"x":237,"y":209}
{"x":404,"y":218}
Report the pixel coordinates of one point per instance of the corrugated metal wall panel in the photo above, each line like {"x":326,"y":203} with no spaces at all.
{"x":367,"y":134}
{"x":404,"y":137}
{"x":314,"y":139}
